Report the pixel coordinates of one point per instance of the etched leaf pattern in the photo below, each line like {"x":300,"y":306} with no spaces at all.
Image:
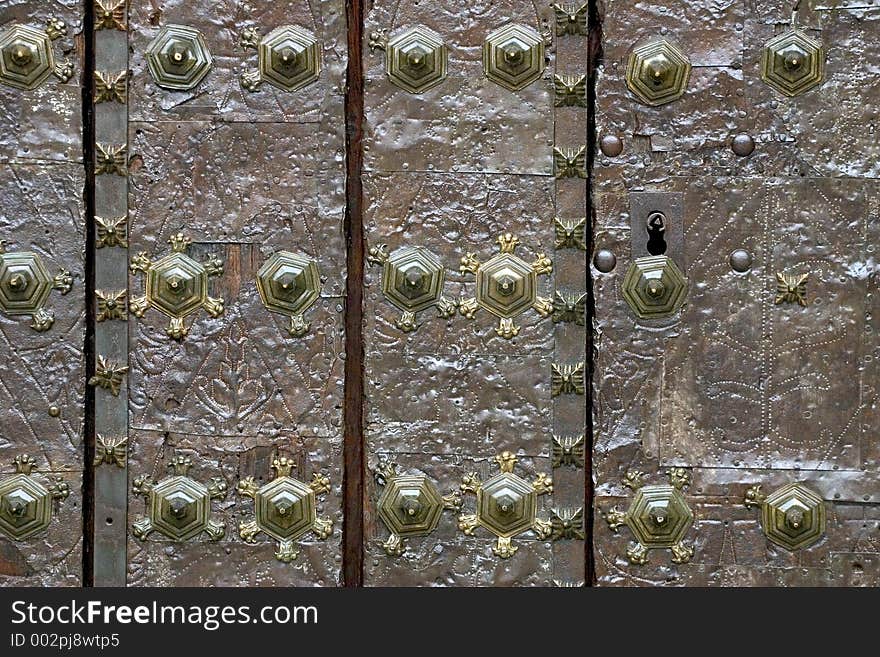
{"x":233,"y":392}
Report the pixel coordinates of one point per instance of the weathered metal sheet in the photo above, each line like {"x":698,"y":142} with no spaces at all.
{"x":42,"y":370}
{"x":762,"y":379}
{"x":450,"y":169}
{"x":243,"y":174}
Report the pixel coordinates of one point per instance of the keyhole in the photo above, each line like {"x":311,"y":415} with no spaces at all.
{"x":656,"y":227}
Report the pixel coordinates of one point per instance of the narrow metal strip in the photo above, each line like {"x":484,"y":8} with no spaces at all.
{"x":111,"y":331}
{"x":570,"y":267}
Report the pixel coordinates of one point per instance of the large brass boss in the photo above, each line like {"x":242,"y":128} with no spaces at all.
{"x":657,"y":72}
{"x":654,"y":287}
{"x":25,"y":285}
{"x":178,"y":58}
{"x":415,"y":60}
{"x":289,"y":58}
{"x":793,"y":63}
{"x":792,"y":516}
{"x":658,"y":516}
{"x":25,"y":503}
{"x":507,"y":286}
{"x":290,"y":284}
{"x":178,"y":506}
{"x":26,"y":58}
{"x":285,"y":509}
{"x":412,"y":280}
{"x":507,"y":505}
{"x":513,"y":56}
{"x":176,"y":286}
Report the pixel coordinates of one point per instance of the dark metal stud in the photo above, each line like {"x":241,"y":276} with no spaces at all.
{"x":611,"y":145}
{"x":604,"y":261}
{"x":743,"y":145}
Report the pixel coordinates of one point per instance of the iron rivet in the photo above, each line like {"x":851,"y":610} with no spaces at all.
{"x":54,"y":411}
{"x":743,"y":145}
{"x":604,"y":261}
{"x":611,"y":145}
{"x":741,"y":260}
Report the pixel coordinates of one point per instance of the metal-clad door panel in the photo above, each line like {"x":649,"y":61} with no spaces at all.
{"x":448,"y":169}
{"x":756,"y":400}
{"x":242,"y":153}
{"x":42,"y":308}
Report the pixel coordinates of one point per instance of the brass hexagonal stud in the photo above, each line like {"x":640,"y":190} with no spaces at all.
{"x":178,"y":58}
{"x":289,"y":284}
{"x":289,"y":58}
{"x":793,"y":516}
{"x":25,"y":285}
{"x":415,"y":59}
{"x":409,"y":506}
{"x":657,"y":72}
{"x":513,"y":56}
{"x":25,"y":503}
{"x":412,"y":281}
{"x":285,"y":509}
{"x":176,"y":286}
{"x":793,"y":62}
{"x":26,"y":57}
{"x":658,"y":517}
{"x":507,"y":286}
{"x":654,"y":287}
{"x":506,"y":506}
{"x":178,"y":506}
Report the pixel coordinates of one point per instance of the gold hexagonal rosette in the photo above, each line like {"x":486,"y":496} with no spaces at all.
{"x":412,"y":281}
{"x":26,"y":504}
{"x":285,"y":509}
{"x":507,"y":505}
{"x":178,"y":58}
{"x":409,"y":506}
{"x":654,"y":287}
{"x":416,"y":59}
{"x":289,"y":284}
{"x":513,"y":56}
{"x":507,"y":286}
{"x":793,"y":516}
{"x":658,"y":517}
{"x":289,"y":58}
{"x":25,"y":285}
{"x":793,"y":62}
{"x":178,"y":506}
{"x":26,"y":56}
{"x":657,"y":72}
{"x":176,"y":286}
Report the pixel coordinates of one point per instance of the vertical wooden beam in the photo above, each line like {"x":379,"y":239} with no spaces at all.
{"x":353,"y":488}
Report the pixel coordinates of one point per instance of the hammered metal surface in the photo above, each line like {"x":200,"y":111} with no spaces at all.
{"x":245,"y":175}
{"x":742,"y":391}
{"x":450,"y":170}
{"x":42,"y":375}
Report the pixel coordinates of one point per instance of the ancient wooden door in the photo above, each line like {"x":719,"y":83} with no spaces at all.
{"x":320,"y":293}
